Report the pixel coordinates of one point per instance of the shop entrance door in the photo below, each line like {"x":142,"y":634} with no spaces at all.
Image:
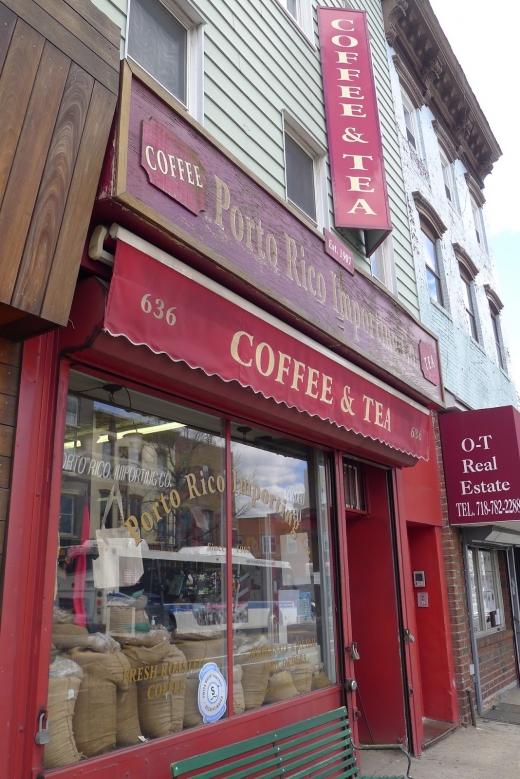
{"x":375,"y":605}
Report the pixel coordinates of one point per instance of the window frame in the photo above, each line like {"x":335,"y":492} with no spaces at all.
{"x":385,"y":255}
{"x":318,"y":156}
{"x":470,"y":303}
{"x":435,"y":273}
{"x":410,"y":110}
{"x":193,"y":22}
{"x":477,"y":592}
{"x":496,"y":326}
{"x":448,"y":177}
{"x":302,"y":17}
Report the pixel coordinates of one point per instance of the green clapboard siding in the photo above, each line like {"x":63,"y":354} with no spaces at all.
{"x":258,"y":64}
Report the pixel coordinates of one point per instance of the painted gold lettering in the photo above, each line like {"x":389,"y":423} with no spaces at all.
{"x":235,"y":342}
{"x":360,"y":184}
{"x":298,"y":372}
{"x":147,"y":155}
{"x":191,"y":481}
{"x":283,"y":369}
{"x":312,"y":383}
{"x":258,"y":358}
{"x":326,"y":389}
{"x":222,"y":198}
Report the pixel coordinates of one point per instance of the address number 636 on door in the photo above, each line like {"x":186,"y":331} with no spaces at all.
{"x":156,"y":308}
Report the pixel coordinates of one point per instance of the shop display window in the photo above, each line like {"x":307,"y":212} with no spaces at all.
{"x":144,"y":599}
{"x":486,"y":594}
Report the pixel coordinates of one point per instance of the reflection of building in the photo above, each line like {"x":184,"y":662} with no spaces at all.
{"x":448,"y":150}
{"x":210,"y":294}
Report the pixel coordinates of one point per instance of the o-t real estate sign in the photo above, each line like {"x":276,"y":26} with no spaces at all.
{"x":353,"y":130}
{"x":481,"y":454}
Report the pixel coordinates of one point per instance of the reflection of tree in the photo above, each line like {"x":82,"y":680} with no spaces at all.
{"x":196,"y":520}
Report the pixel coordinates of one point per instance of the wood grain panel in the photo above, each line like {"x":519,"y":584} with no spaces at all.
{"x":7,"y":24}
{"x":72,"y":21}
{"x":16,"y":82}
{"x":9,"y":379}
{"x":10,"y":352}
{"x":47,"y":216}
{"x":97,"y":19}
{"x":8,"y":406}
{"x":6,"y":441}
{"x":62,"y":279}
{"x":5,"y":471}
{"x":28,"y":163}
{"x":66,"y":42}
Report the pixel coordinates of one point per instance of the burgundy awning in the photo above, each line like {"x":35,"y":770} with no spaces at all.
{"x":162,"y":303}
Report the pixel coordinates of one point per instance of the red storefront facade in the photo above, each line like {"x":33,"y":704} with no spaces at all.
{"x":225,"y":388}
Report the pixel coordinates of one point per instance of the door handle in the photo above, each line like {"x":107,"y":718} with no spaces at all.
{"x":409,"y":635}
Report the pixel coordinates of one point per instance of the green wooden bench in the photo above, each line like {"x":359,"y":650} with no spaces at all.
{"x":313,"y":749}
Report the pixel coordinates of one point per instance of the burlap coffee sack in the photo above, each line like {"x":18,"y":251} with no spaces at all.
{"x":280,"y":687}
{"x":61,"y":749}
{"x":69,"y":636}
{"x":160,"y":676}
{"x":302,"y":677}
{"x":192,"y":715}
{"x":128,"y":729}
{"x":200,"y":652}
{"x":94,"y":721}
{"x":320,"y":680}
{"x":255,"y":674}
{"x":65,"y":636}
{"x":200,"y":634}
{"x":239,"y":703}
{"x":156,"y":636}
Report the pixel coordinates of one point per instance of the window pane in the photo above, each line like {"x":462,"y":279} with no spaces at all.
{"x":300,"y":177}
{"x":158,"y":42}
{"x":430,"y":253}
{"x":282,"y":593}
{"x":475,"y":612}
{"x":410,"y":128}
{"x":434,"y":286}
{"x":489,"y":594}
{"x":496,"y":332}
{"x":292,"y":8}
{"x":140,"y":580}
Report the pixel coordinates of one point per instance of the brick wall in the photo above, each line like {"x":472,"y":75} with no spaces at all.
{"x":456,"y":582}
{"x":496,"y":652}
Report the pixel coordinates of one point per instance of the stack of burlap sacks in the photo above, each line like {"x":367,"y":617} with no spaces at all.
{"x":103,"y":696}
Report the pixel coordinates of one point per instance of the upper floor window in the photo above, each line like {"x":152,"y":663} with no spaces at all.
{"x":469,"y":303}
{"x":411,"y":122}
{"x":300,"y":180}
{"x":497,"y":334}
{"x":449,"y":179}
{"x":383,"y":266}
{"x":168,"y":46}
{"x":305,"y":172}
{"x":478,"y":220}
{"x":495,"y":306}
{"x":301,"y":11}
{"x":433,"y":272}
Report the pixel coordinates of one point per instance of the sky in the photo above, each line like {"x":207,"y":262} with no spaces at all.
{"x":484,"y":37}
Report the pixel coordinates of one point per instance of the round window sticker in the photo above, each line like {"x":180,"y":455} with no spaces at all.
{"x":212,"y":693}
